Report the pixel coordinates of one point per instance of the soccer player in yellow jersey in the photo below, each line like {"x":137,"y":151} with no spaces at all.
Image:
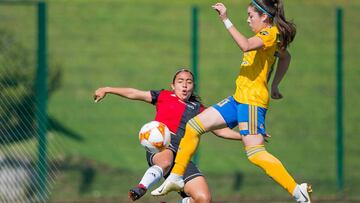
{"x":248,"y":106}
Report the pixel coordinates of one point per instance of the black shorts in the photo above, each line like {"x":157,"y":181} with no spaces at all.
{"x":191,"y":172}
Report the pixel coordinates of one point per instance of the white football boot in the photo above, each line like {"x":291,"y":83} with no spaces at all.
{"x":173,"y":183}
{"x":302,"y":193}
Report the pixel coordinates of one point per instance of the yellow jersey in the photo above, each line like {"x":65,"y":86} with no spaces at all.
{"x":251,"y":83}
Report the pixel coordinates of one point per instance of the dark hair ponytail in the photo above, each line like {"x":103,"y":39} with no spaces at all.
{"x":275,"y":8}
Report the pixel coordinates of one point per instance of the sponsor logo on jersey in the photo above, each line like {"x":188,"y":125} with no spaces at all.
{"x":243,"y":126}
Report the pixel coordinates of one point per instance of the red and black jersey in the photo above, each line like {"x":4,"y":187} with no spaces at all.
{"x":174,"y":112}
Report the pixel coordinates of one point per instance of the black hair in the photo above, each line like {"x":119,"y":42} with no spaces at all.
{"x":275,"y":10}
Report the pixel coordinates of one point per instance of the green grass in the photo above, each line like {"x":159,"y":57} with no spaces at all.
{"x":140,"y":44}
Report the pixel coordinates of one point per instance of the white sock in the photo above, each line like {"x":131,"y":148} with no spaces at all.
{"x":186,"y":200}
{"x":151,"y":176}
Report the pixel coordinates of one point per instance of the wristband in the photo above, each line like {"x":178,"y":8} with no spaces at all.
{"x":227,"y":23}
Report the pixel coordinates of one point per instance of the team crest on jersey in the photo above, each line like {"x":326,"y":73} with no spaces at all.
{"x":264,"y":33}
{"x":244,"y":63}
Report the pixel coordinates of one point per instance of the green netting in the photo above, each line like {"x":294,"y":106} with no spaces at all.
{"x":18,"y":129}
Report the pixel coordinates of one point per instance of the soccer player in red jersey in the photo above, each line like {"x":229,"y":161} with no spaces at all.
{"x":174,"y":108}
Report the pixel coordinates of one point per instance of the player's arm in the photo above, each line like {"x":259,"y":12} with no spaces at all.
{"x":281,"y":69}
{"x":227,"y":133}
{"x":126,"y":92}
{"x":244,"y":43}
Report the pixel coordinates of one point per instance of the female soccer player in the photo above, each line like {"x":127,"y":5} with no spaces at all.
{"x":248,"y":106}
{"x":173,"y":108}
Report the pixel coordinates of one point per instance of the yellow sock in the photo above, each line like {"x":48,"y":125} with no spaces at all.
{"x":188,"y":145}
{"x":271,"y":165}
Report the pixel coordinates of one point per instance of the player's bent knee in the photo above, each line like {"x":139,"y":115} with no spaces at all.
{"x":165,"y":163}
{"x":199,"y":194}
{"x":163,"y":159}
{"x":198,"y":190}
{"x":202,"y":197}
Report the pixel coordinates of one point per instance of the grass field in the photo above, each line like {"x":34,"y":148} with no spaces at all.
{"x":141,"y":43}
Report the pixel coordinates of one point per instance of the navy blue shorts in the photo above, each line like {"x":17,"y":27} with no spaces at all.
{"x":250,"y":118}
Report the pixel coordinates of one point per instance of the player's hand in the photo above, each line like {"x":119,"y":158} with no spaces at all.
{"x":275,"y":93}
{"x":99,"y":94}
{"x":221,"y":9}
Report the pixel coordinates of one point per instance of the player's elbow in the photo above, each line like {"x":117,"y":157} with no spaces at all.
{"x":244,"y":48}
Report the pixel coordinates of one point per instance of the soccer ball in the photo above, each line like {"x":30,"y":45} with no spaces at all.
{"x":154,"y":136}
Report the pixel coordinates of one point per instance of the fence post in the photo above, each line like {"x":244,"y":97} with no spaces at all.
{"x":41,"y":96}
{"x":194,"y":57}
{"x":339,"y":100}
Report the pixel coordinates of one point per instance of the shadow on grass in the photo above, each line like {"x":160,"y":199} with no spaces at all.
{"x":56,"y":126}
{"x":25,"y":128}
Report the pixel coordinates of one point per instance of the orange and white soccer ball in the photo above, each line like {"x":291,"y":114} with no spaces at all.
{"x":154,"y":136}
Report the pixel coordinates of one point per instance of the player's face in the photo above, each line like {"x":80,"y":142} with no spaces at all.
{"x":255,"y":20}
{"x":183,"y":85}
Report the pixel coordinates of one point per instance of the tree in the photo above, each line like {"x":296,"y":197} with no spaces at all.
{"x":17,"y":93}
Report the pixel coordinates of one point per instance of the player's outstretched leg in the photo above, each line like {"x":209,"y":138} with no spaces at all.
{"x":302,"y":193}
{"x":172,"y":183}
